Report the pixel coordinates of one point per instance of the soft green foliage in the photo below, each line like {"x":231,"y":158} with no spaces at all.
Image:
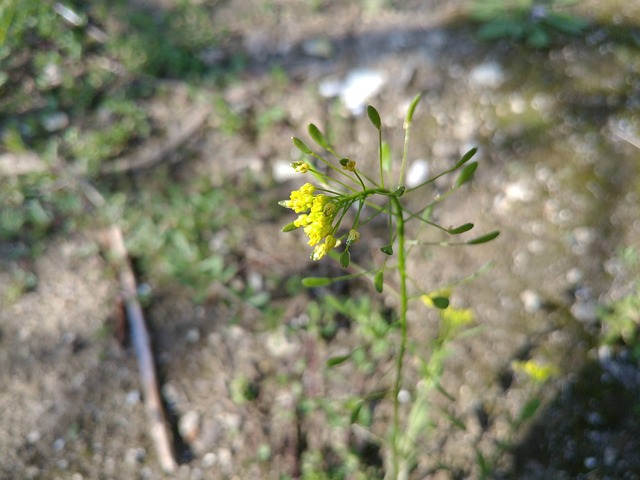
{"x":621,"y":319}
{"x":78,"y":81}
{"x":173,"y":234}
{"x":324,"y":215}
{"x":530,"y":21}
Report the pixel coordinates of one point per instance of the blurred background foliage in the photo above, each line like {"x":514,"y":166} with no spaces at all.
{"x":78,"y":81}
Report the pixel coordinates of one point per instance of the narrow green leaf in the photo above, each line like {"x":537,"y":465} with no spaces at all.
{"x":316,"y":281}
{"x":409,"y":118}
{"x":440,"y":302}
{"x":374,"y":116}
{"x":355,"y":413}
{"x":482,"y":462}
{"x":289,"y":228}
{"x":333,"y":361}
{"x":318,"y":136}
{"x":484,"y":238}
{"x":530,"y":409}
{"x":387,"y":250}
{"x":465,"y":158}
{"x":378,"y":281}
{"x":461,"y":229}
{"x":345,"y":258}
{"x":466,"y":174}
{"x":455,"y":421}
{"x":386,"y":157}
{"x":300,"y":145}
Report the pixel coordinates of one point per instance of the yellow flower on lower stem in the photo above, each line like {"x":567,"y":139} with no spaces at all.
{"x":322,"y":249}
{"x":536,"y":371}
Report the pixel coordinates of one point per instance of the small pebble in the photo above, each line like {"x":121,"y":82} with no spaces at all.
{"x":283,"y":171}
{"x":193,"y":335}
{"x":188,"y":425}
{"x":488,"y":74}
{"x":209,"y":460}
{"x":417,"y":173}
{"x":531,"y":301}
{"x":279,"y":346}
{"x":404,"y":396}
{"x":59,"y":444}
{"x":133,"y":397}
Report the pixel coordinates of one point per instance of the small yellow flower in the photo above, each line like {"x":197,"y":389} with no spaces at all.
{"x":301,"y":221}
{"x":353,"y":236}
{"x":322,"y":249}
{"x":348,"y":164}
{"x":302,"y":199}
{"x":536,"y":371}
{"x":301,"y":167}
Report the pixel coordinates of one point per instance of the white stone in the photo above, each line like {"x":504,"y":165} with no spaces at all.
{"x":355,"y":90}
{"x":417,"y":173}
{"x":487,"y":74}
{"x":283,"y":171}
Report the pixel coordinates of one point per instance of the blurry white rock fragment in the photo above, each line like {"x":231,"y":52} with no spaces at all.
{"x":487,"y":74}
{"x":518,"y":191}
{"x":69,"y":15}
{"x":283,"y":171}
{"x":531,"y":300}
{"x":188,"y":425}
{"x":279,"y":346}
{"x":417,"y":173}
{"x":355,"y":90}
{"x":193,"y":335}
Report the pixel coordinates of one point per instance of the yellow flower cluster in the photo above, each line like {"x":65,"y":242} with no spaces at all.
{"x":317,"y":222}
{"x":301,"y":199}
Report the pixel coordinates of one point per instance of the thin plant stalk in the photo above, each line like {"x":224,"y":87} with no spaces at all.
{"x":404,"y":300}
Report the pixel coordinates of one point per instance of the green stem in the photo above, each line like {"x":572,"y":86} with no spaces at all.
{"x":403,"y":334}
{"x":380,"y":157}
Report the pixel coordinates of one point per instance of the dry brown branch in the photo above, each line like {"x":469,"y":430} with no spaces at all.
{"x":153,"y":156}
{"x":160,"y":433}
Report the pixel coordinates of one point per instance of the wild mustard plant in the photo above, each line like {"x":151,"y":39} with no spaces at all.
{"x":341,"y":187}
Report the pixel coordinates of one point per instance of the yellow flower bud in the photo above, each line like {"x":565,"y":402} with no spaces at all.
{"x":300,"y":167}
{"x":353,"y":236}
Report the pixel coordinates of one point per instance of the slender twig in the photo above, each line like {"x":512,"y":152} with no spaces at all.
{"x":154,"y":156}
{"x":159,"y":430}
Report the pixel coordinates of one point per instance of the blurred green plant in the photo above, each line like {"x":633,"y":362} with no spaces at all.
{"x":620,"y":319}
{"x":342,"y":198}
{"x":183,"y":233}
{"x":529,"y":21}
{"x":76,"y":82}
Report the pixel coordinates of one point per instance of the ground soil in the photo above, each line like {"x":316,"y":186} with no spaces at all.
{"x":244,"y":392}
